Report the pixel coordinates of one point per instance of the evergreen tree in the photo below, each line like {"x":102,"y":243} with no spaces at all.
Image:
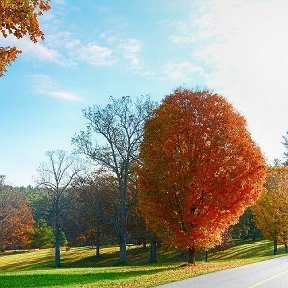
{"x":42,"y":236}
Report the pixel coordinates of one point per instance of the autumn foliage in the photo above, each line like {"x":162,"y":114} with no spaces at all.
{"x":271,"y":210}
{"x":19,"y":18}
{"x":16,"y":220}
{"x":200,"y":169}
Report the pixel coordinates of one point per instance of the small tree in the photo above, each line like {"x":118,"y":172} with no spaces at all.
{"x":271,"y":210}
{"x":56,"y":175}
{"x":119,"y":127}
{"x":200,"y":170}
{"x":42,"y":236}
{"x":37,"y":200}
{"x":246,"y":228}
{"x":19,"y":18}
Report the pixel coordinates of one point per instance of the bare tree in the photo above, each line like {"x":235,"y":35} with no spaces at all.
{"x":56,"y":175}
{"x":120,"y":127}
{"x":285,"y":143}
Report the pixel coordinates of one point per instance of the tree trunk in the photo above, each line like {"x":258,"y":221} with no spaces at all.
{"x":191,"y":256}
{"x":183,"y":255}
{"x":153,"y":252}
{"x":144,"y":243}
{"x":122,"y":252}
{"x":206,"y":256}
{"x":275,"y":248}
{"x":97,"y":255}
{"x":123,"y":220}
{"x":57,"y":244}
{"x":97,"y":245}
{"x":286,"y":247}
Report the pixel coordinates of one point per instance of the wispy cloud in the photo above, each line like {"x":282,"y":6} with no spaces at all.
{"x":74,"y":51}
{"x":126,"y":50}
{"x":36,"y":50}
{"x":130,"y":49}
{"x":63,"y":47}
{"x":95,"y":54}
{"x":181,"y":71}
{"x":64,"y":95}
{"x":184,"y":31}
{"x":43,"y":85}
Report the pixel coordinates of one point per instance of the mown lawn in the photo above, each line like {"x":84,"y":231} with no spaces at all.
{"x":81,"y":269}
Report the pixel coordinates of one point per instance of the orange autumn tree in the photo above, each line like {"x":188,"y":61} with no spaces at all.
{"x":271,"y":210}
{"x":16,"y":220}
{"x":199,"y":170}
{"x":19,"y":18}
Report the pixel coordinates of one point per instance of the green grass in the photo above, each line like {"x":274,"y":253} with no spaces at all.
{"x":80,"y":268}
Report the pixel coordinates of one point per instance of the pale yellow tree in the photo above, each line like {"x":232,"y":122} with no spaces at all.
{"x":271,"y":210}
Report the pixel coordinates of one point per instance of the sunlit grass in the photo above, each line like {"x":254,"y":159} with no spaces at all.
{"x":81,"y":268}
{"x":248,"y":251}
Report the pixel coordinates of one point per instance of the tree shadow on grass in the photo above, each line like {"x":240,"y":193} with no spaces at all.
{"x":10,"y":280}
{"x":250,"y":250}
{"x":28,"y":263}
{"x":135,"y":256}
{"x":13,"y":252}
{"x":105,"y":260}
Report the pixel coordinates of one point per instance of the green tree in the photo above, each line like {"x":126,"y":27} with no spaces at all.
{"x":39,"y":201}
{"x":63,"y":239}
{"x":42,"y":236}
{"x":246,"y":228}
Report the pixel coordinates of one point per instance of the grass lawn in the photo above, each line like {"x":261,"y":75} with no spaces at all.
{"x":81,"y":269}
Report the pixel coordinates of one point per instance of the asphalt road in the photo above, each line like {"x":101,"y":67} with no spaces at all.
{"x":267,"y":274}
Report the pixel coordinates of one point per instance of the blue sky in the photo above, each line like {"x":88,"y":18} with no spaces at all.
{"x":94,"y":49}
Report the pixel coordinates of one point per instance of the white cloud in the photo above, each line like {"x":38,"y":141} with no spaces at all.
{"x":96,"y":55}
{"x":126,"y":50}
{"x":43,"y":85}
{"x":64,"y":95}
{"x":39,"y":51}
{"x":181,"y":71}
{"x":184,"y":35}
{"x":245,"y":43}
{"x":73,"y":50}
{"x":61,"y":47}
{"x":72,"y":44}
{"x":35,"y":50}
{"x":131,"y":48}
{"x":253,"y":46}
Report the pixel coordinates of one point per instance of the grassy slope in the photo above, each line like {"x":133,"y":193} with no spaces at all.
{"x":81,"y":269}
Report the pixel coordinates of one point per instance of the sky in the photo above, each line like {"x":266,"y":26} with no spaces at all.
{"x":97,"y":49}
